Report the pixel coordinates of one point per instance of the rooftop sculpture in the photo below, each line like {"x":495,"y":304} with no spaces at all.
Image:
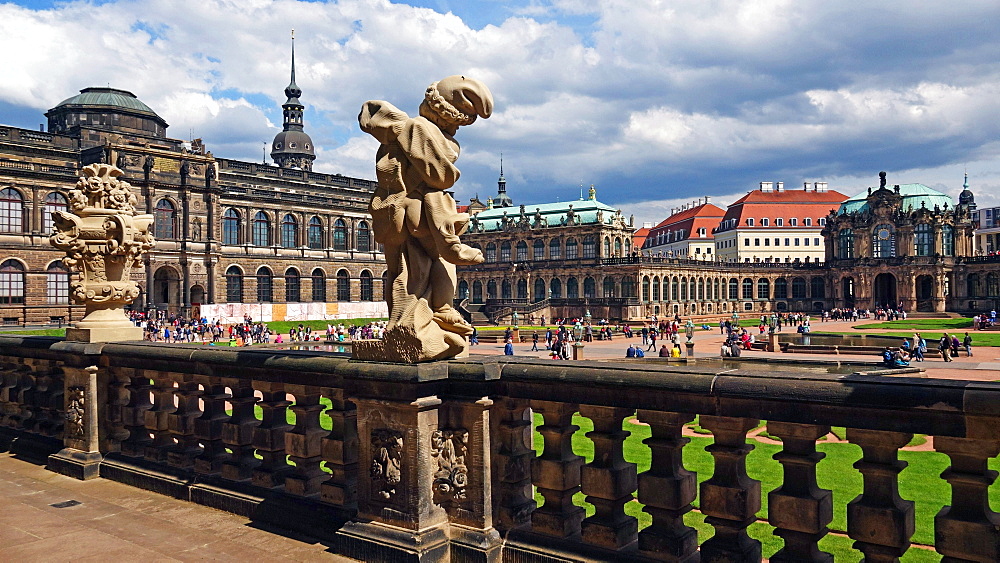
{"x":416,"y":220}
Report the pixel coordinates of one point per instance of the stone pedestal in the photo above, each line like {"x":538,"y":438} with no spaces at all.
{"x":690,"y":352}
{"x":578,"y":351}
{"x":104,"y":325}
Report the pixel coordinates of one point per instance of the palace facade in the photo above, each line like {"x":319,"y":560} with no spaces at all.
{"x":232,"y":237}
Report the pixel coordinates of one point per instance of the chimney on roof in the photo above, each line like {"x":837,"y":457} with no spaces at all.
{"x":699,"y":201}
{"x":647,"y":225}
{"x":708,"y":199}
{"x":805,"y":186}
{"x":767,"y":187}
{"x":822,"y":187}
{"x":779,"y":186}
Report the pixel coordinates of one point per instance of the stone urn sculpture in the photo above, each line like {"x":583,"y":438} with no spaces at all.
{"x":104,"y":239}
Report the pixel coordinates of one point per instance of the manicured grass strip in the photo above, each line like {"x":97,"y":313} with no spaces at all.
{"x":37,"y":332}
{"x":979,"y":338}
{"x":920,"y":324}
{"x":282,"y":327}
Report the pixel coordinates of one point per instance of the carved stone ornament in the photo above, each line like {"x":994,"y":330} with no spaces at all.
{"x":104,"y":239}
{"x":449,"y":447}
{"x":75,"y":409}
{"x":385,"y":472}
{"x":416,"y":220}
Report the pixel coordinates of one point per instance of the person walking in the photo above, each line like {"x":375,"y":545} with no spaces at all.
{"x":652,"y":339}
{"x":508,"y":348}
{"x":967,"y":342}
{"x":534,"y":341}
{"x":945,"y":346}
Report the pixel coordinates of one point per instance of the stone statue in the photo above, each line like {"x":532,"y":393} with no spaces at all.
{"x":417,"y":222}
{"x":104,"y":238}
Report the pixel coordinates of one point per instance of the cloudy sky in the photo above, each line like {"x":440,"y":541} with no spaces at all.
{"x":655,"y":102}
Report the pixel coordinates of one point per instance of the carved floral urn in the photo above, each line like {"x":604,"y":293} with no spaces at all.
{"x":104,"y":239}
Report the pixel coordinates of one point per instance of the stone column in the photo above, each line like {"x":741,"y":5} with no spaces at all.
{"x":81,"y":456}
{"x":397,"y":517}
{"x":968,"y":530}
{"x":667,"y":490}
{"x":730,"y":498}
{"x":880,"y":522}
{"x":799,"y":509}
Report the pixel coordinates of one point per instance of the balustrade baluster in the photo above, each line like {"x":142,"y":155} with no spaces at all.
{"x":181,"y":422}
{"x":208,"y":427}
{"x":114,"y":410}
{"x":156,"y":417}
{"x":340,"y":451}
{"x":799,"y":509}
{"x":880,"y":522}
{"x":512,"y":454}
{"x":609,"y":482}
{"x":269,"y":435}
{"x":47,"y":416}
{"x":730,"y":498}
{"x":237,"y":432}
{"x":556,"y":473}
{"x":968,"y":530}
{"x":304,"y":443}
{"x":134,"y":414}
{"x":667,"y":490}
{"x":8,"y":380}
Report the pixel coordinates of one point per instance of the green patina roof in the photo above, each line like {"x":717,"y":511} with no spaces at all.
{"x":914,"y":195}
{"x":108,"y":97}
{"x":585,"y":210}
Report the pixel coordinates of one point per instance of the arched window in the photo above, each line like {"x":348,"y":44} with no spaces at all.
{"x":763,"y":289}
{"x":315,"y":233}
{"x":923,"y":240}
{"x":628,"y":287}
{"x":463,"y":289}
{"x":367,"y":288}
{"x":57,"y":284}
{"x":656,"y":288}
{"x":734,"y":289}
{"x":539,"y":290}
{"x":293,"y":286}
{"x":607,"y":247}
{"x":684,"y":289}
{"x":505,"y":290}
{"x":947,"y":240}
{"x":491,"y":289}
{"x":798,"y":288}
{"x":491,"y":252}
{"x":590,"y":246}
{"x":12,"y":211}
{"x":54,"y":202}
{"x":539,"y":249}
{"x":289,"y":231}
{"x":265,"y":285}
{"x":572,"y":289}
{"x":974,"y":285}
{"x":555,"y":289}
{"x":609,"y":286}
{"x":883,"y":241}
{"x":701,"y":289}
{"x":781,"y":288}
{"x":477,"y":292}
{"x":261,"y":235}
{"x":234,"y":285}
{"x":555,"y":249}
{"x":589,"y":288}
{"x":231,"y":227}
{"x":339,"y":235}
{"x":817,"y":288}
{"x":645,"y":288}
{"x":364,"y":237}
{"x":992,"y":285}
{"x":845,"y":244}
{"x":675,"y":292}
{"x":165,"y":220}
{"x":571,"y":249}
{"x":618,"y":248}
{"x":747,"y":288}
{"x":522,"y":251}
{"x":343,"y":286}
{"x":505,"y":251}
{"x":318,"y":286}
{"x":522,"y":289}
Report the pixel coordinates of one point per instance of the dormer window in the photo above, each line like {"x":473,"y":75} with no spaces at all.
{"x":764,"y":222}
{"x":750,"y":222}
{"x":793,"y":222}
{"x":779,"y":222}
{"x":808,"y":221}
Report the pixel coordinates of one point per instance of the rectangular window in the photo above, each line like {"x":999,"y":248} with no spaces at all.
{"x":796,"y":242}
{"x":746,"y":242}
{"x":767,"y":242}
{"x":57,"y":288}
{"x":815,"y":242}
{"x":807,"y":242}
{"x":756,"y":242}
{"x":786,"y":242}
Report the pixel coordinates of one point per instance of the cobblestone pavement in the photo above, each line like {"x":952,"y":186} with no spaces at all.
{"x":117,"y":522}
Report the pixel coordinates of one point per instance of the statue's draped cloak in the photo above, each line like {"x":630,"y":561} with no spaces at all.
{"x":414,"y":165}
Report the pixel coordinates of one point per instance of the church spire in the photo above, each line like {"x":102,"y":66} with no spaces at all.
{"x":502,"y":199}
{"x":292,"y":147}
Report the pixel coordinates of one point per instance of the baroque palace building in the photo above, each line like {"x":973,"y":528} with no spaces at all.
{"x":232,"y":237}
{"x":567,"y":259}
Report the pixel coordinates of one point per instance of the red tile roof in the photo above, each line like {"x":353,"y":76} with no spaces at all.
{"x":639,"y":237}
{"x":786,"y":204}
{"x":690,"y":220}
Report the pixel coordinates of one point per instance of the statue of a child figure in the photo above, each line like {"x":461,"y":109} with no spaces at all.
{"x":416,"y":221}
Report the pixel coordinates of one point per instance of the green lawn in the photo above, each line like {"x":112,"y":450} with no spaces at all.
{"x":920,"y":482}
{"x":979,"y":338}
{"x":921,"y":324}
{"x":282,"y":327}
{"x":38,"y":332}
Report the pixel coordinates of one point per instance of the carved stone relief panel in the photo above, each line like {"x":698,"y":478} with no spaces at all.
{"x":449,"y":447}
{"x":385,"y":471}
{"x":75,"y":409}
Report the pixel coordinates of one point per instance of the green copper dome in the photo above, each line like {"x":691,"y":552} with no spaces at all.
{"x":915,"y":195}
{"x":108,"y":97}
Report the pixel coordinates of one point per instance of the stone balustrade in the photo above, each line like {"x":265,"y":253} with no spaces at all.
{"x":437,"y":461}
